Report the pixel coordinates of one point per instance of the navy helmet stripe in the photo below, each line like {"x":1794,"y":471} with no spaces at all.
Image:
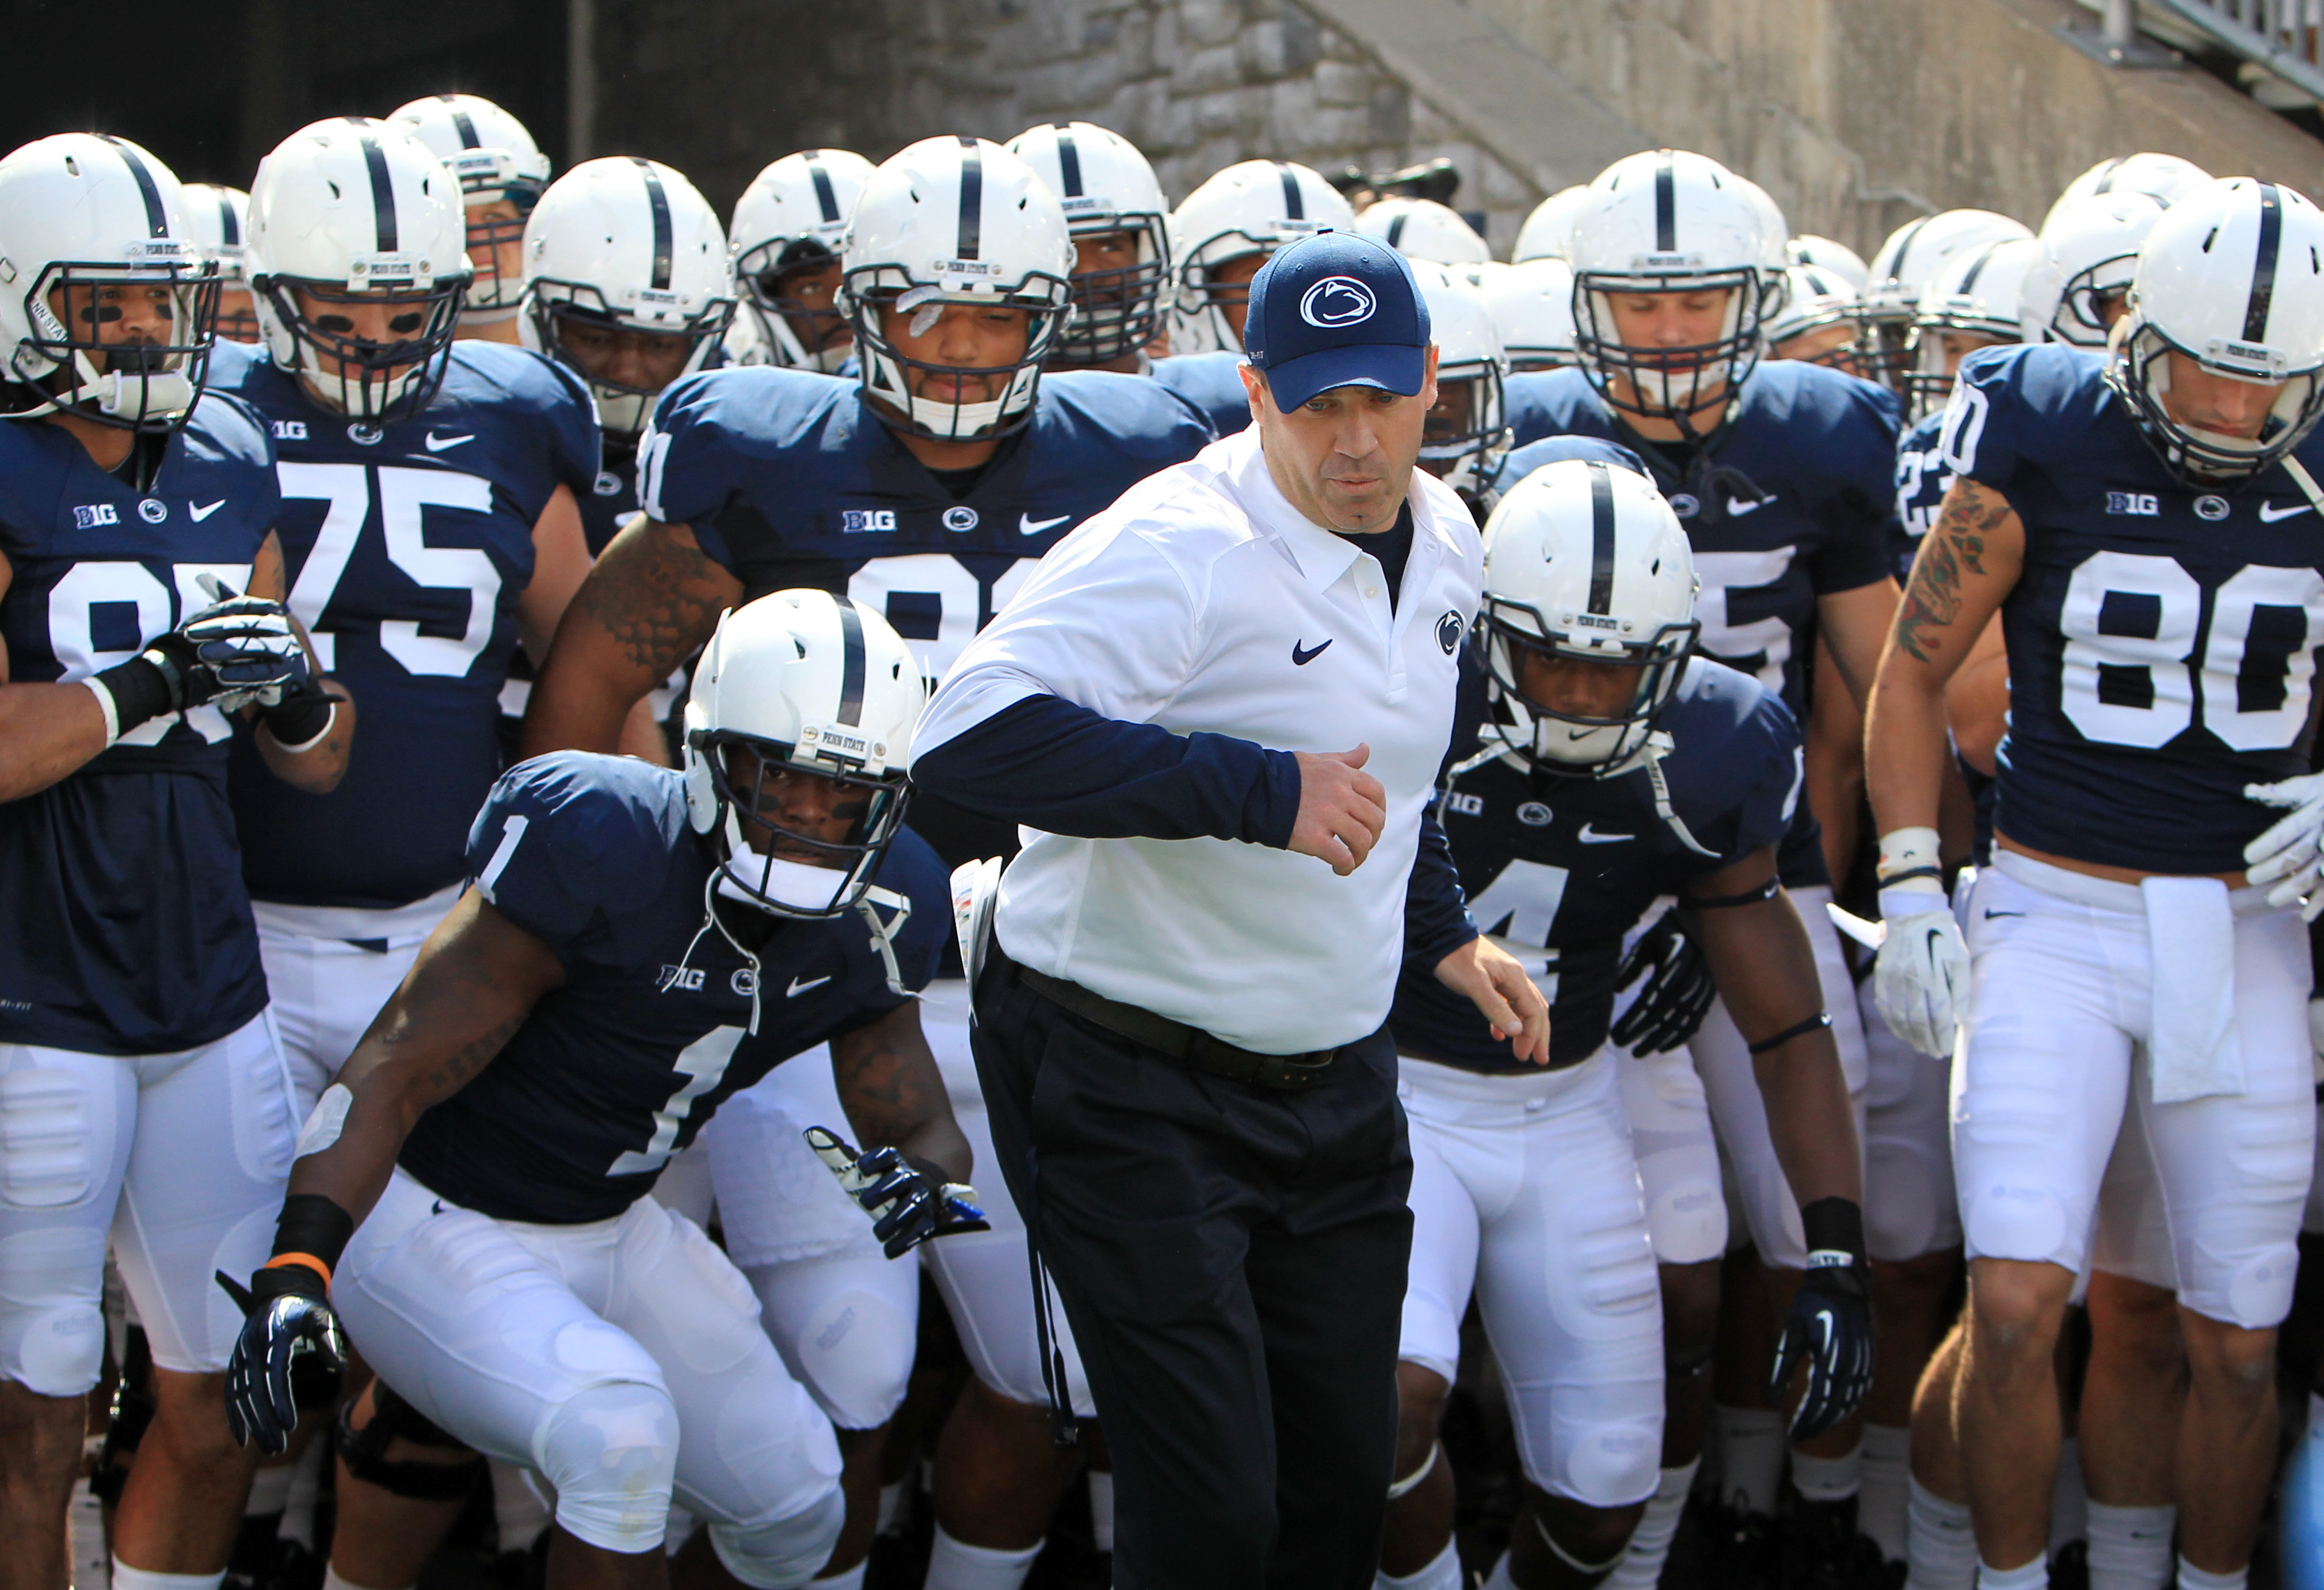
{"x":1395,"y":227}
{"x":1977,"y":267}
{"x":2270,"y":244}
{"x":1069,"y":160}
{"x":659,"y":201}
{"x":463,"y":124}
{"x":1292,"y":208}
{"x":851,"y":664}
{"x":825,"y":198}
{"x":972,"y":199}
{"x":382,"y":185}
{"x":229,"y":224}
{"x":1665,"y":206}
{"x":157,"y":213}
{"x":1905,"y":248}
{"x":1601,"y":538}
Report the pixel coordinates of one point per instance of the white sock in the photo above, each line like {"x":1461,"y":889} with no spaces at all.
{"x":2033,"y":1576}
{"x":306,"y":1486}
{"x":1444,"y":1573}
{"x":2191,"y":1578}
{"x":1641,"y":1567}
{"x":1938,"y":1541}
{"x":852,"y":1579}
{"x":91,"y":1563}
{"x":2130,"y":1547}
{"x":1498,"y":1579}
{"x":1828,"y":1479}
{"x":892,"y":1509}
{"x":125,"y":1577}
{"x":270,"y":1490}
{"x":2069,"y":1499}
{"x":331,"y":1581}
{"x":518,"y":1510}
{"x":1100,"y":1487}
{"x":954,"y":1566}
{"x":1750,"y":1456}
{"x":1880,"y":1498}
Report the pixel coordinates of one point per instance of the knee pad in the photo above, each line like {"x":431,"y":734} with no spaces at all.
{"x":853,"y":1351}
{"x":51,"y":1310}
{"x":610,"y":1453}
{"x":786,"y":1552}
{"x":364,"y":1450}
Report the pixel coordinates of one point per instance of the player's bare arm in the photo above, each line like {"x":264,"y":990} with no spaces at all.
{"x":1766,"y":971}
{"x":318,"y":764}
{"x":649,"y":602}
{"x":1967,"y":565}
{"x":893,"y":1095}
{"x":560,"y":562}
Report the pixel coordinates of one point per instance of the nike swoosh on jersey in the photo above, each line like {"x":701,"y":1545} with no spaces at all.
{"x":1301,"y":658}
{"x":799,"y":987}
{"x":1736,"y":507}
{"x":437,"y":444}
{"x":1028,"y":525}
{"x":205,"y":511}
{"x":2269,"y":512}
{"x":1590,"y":837}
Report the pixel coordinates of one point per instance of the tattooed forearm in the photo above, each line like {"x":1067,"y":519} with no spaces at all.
{"x":888,"y":1084}
{"x":459,"y":1068}
{"x":1955,"y":547}
{"x":657,"y":595}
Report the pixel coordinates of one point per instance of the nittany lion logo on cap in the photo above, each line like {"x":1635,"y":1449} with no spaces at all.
{"x":1336,"y":301}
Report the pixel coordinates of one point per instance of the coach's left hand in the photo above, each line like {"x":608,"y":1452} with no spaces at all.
{"x":1503,"y":995}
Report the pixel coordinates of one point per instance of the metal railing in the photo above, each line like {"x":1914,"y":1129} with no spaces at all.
{"x":2284,"y":36}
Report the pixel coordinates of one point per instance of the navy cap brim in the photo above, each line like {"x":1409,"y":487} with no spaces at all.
{"x":1390,"y":367}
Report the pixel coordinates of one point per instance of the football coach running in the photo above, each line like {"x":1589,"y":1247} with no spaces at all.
{"x":1218,"y":708}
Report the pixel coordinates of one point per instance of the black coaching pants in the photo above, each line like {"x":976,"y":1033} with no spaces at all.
{"x":1232,"y":1260}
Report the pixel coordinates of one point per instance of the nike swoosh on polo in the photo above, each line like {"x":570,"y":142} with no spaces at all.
{"x":1028,"y":525}
{"x":1736,"y":507}
{"x":799,"y":987}
{"x":1592,"y":837}
{"x":205,"y":511}
{"x":2269,"y":512}
{"x":437,"y":444}
{"x":1301,"y":658}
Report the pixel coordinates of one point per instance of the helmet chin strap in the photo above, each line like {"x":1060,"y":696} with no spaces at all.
{"x":883,"y":941}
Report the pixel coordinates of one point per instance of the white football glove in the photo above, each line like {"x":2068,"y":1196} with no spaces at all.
{"x":2290,"y":853}
{"x":1921,"y":975}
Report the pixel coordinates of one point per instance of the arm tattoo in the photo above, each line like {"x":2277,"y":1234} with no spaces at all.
{"x":890,"y":1089}
{"x":1957,"y":544}
{"x":459,"y":1068}
{"x":656,"y":595}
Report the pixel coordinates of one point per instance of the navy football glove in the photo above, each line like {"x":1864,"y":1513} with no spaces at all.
{"x":1830,"y":1324}
{"x":289,"y":1355}
{"x":1678,"y":991}
{"x":910,"y":1200}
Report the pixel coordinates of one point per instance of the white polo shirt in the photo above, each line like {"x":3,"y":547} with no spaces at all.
{"x":1191,"y":603}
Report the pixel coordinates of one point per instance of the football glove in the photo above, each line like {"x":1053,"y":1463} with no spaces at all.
{"x":1678,"y":989}
{"x":237,"y":651}
{"x":1829,"y":1327}
{"x":910,"y":1200}
{"x":291,"y":1354}
{"x":2290,"y":853}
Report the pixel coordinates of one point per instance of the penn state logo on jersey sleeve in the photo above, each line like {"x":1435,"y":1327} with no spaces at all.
{"x":1212,"y":383}
{"x":132,"y":932}
{"x":407,"y":547}
{"x":619,"y":1068}
{"x":1922,"y":479}
{"x":610,"y":502}
{"x":1795,"y":500}
{"x":1557,"y":870}
{"x":2163,"y":636}
{"x":787,"y":479}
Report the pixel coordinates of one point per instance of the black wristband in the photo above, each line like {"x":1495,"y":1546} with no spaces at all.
{"x":1814,"y":1023}
{"x":1890,"y":880}
{"x":312,"y":1223}
{"x":299,"y":717}
{"x":1834,"y":1226}
{"x":140,"y":689}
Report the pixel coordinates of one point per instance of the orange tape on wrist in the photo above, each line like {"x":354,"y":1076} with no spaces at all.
{"x":309,"y":1260}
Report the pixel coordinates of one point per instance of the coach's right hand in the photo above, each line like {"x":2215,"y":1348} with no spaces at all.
{"x":1341,"y":808}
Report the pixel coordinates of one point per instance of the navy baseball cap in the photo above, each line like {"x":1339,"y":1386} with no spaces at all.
{"x":1336,"y":310}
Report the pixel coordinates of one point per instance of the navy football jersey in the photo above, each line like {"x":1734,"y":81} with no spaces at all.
{"x":1794,"y":502}
{"x":2162,"y":637}
{"x":1922,"y":479}
{"x":1212,"y":383}
{"x":619,"y":1068}
{"x":408,"y":546}
{"x":1558,"y":869}
{"x":612,"y":499}
{"x":128,"y":930}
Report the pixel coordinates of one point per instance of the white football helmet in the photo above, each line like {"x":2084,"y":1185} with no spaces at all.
{"x":2162,"y":178}
{"x":82,"y":215}
{"x":2231,"y":277}
{"x":1907,"y":263}
{"x":2089,"y":250}
{"x":793,"y":217}
{"x":1255,"y":207}
{"x":1423,"y":229}
{"x":1586,"y":563}
{"x":955,"y":220}
{"x":217,"y":219}
{"x":1976,"y":295}
{"x":351,"y":213}
{"x":800,"y":681}
{"x":1466,"y":434}
{"x":494,"y":158}
{"x":625,"y":245}
{"x":1669,"y":221}
{"x":1815,"y":296}
{"x":1836,"y":259}
{"x":1105,"y":186}
{"x":1548,"y":232}
{"x":1531,"y":306}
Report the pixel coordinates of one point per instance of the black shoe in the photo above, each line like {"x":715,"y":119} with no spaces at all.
{"x":1740,"y":1550}
{"x":1822,"y":1550}
{"x":2069,"y":1569}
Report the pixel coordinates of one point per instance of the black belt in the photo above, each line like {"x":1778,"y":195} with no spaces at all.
{"x":1190,"y":1046}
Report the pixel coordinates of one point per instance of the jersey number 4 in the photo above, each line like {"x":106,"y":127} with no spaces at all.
{"x":2130,"y":673}
{"x":354,"y":491}
{"x":1518,"y":909}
